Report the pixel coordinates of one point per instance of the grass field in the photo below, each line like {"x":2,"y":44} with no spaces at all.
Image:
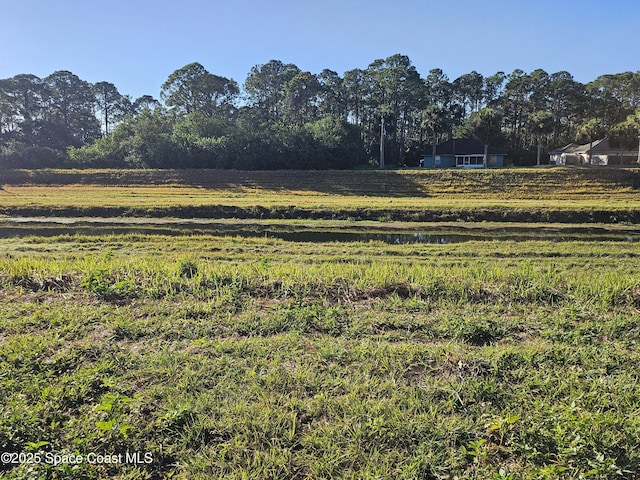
{"x":270,"y":359}
{"x":228,"y":357}
{"x":557,"y":181}
{"x":562,"y":195}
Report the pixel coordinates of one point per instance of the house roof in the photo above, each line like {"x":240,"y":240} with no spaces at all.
{"x":464,"y":146}
{"x":597,"y":147}
{"x":566,"y":149}
{"x":593,"y":146}
{"x":603,"y":147}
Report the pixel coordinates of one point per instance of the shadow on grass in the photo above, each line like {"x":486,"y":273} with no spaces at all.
{"x":387,"y":183}
{"x":375,"y":183}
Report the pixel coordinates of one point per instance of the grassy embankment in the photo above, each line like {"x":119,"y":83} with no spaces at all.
{"x":261,"y":358}
{"x":569,"y":195}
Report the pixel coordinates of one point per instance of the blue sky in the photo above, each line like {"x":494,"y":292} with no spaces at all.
{"x":136,"y":44}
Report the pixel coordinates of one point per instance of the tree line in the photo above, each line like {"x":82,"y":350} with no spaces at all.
{"x":283,"y":117}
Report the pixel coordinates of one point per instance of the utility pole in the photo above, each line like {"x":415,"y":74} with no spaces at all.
{"x":381,"y":142}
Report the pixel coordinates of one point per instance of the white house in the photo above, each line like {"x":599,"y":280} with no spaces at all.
{"x":595,"y":153}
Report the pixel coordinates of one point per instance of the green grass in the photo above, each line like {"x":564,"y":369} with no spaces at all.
{"x":228,"y":357}
{"x":259,"y":358}
{"x":501,"y":194}
{"x":559,"y":181}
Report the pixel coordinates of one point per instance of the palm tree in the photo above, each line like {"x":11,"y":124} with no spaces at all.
{"x":540,"y":124}
{"x":589,"y":131}
{"x":627,"y":134}
{"x":435,"y":121}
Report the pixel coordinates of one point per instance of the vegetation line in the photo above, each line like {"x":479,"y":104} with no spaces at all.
{"x":506,"y":215}
{"x":283,"y":117}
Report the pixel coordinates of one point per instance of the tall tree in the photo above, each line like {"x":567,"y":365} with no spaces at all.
{"x":265,"y":88}
{"x":627,"y":134}
{"x":493,"y":87}
{"x":540,"y":124}
{"x":468,"y":89}
{"x":22,"y":107}
{"x":397,"y":94}
{"x":110,"y":103}
{"x":514,"y":103}
{"x":566,"y":97}
{"x":70,"y":110}
{"x":333,"y":94}
{"x":26,"y":94}
{"x":193,"y":89}
{"x":355,"y":93}
{"x":436,"y":121}
{"x":439,"y":90}
{"x":613,"y":97}
{"x":7,"y":113}
{"x":301,"y":97}
{"x":539,"y":86}
{"x":484,"y":125}
{"x":143,"y":103}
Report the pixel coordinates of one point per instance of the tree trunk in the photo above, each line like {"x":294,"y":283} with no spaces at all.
{"x":381,"y":141}
{"x":433,"y":150}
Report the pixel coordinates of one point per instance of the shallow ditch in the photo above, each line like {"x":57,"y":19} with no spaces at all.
{"x":424,"y":234}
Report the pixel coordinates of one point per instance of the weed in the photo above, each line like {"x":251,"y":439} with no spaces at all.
{"x":188,"y":268}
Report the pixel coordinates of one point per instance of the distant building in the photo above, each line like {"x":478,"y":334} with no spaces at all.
{"x":595,"y":153}
{"x":464,"y":153}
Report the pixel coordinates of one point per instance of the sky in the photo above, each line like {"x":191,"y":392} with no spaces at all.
{"x":137,"y":44}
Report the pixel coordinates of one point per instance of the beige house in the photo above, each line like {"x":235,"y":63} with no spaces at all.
{"x":595,"y":153}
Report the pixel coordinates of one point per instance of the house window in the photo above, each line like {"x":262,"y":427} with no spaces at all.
{"x":438,"y":160}
{"x":470,"y":160}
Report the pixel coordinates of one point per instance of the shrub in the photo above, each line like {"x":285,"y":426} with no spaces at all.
{"x":188,"y":268}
